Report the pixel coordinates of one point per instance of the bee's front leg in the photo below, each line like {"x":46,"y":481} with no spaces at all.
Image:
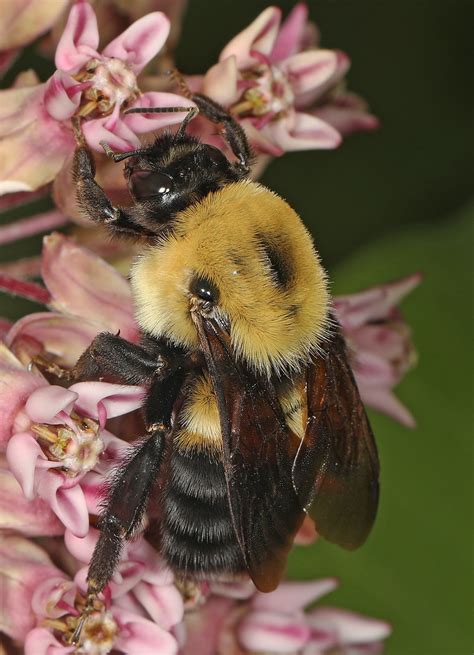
{"x":92,"y":199}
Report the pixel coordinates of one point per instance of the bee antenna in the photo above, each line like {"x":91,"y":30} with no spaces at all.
{"x":191,"y":113}
{"x":181,"y":83}
{"x":117,"y":156}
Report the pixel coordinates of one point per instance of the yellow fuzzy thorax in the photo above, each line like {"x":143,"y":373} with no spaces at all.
{"x":199,"y":422}
{"x":273,"y":326}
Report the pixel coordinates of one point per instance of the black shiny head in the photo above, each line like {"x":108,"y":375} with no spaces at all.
{"x":175,"y":172}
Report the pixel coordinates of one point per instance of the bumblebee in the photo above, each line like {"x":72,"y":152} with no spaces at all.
{"x":252,"y":414}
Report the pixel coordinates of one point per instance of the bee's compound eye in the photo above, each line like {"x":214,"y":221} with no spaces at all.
{"x":149,"y":184}
{"x":203,"y":288}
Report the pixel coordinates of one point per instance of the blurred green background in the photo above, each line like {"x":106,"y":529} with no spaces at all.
{"x":383,"y":205}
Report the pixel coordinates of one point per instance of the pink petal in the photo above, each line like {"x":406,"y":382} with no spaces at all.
{"x":16,"y":385}
{"x":81,"y":547}
{"x":28,"y":517}
{"x":374,"y":370}
{"x":28,"y":160}
{"x":374,"y":303}
{"x":309,"y":70}
{"x":23,"y":454}
{"x":20,"y":199}
{"x":141,"y":41}
{"x":138,"y":635}
{"x":293,"y":596}
{"x":155,"y":572}
{"x":259,"y":36}
{"x":84,"y":285}
{"x":22,"y":22}
{"x":102,"y":400}
{"x":262,"y":140}
{"x":92,"y":485}
{"x":23,"y":566}
{"x":140,"y":123}
{"x":347,"y":120}
{"x":385,"y":401}
{"x":22,"y":228}
{"x":290,"y":36}
{"x":68,"y":503}
{"x":164,"y":604}
{"x":271,"y":632}
{"x":46,"y":403}
{"x":389,"y":340}
{"x":205,"y":628}
{"x":312,"y":96}
{"x":220,"y":82}
{"x":60,"y":100}
{"x":40,"y":641}
{"x":54,"y":597}
{"x":80,"y":38}
{"x":349,"y":628}
{"x":63,"y":337}
{"x":236,"y":590}
{"x":111,"y":129}
{"x":114,"y":452}
{"x":302,"y":132}
{"x":17,"y":108}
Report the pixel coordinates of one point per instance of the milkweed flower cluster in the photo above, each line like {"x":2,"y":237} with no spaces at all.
{"x":60,"y":442}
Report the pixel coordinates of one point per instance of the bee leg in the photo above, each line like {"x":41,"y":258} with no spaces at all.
{"x":109,"y":354}
{"x":93,"y":200}
{"x":233,"y":132}
{"x":130,"y":491}
{"x":122,"y":517}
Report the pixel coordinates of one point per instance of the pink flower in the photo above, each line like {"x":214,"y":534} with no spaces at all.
{"x":23,"y":567}
{"x":379,"y":340}
{"x":54,"y":448}
{"x":95,"y":86}
{"x":271,"y":78}
{"x":141,"y":583}
{"x":277,"y":623}
{"x":87,"y":295}
{"x":135,"y":614}
{"x":33,"y":518}
{"x":54,"y":436}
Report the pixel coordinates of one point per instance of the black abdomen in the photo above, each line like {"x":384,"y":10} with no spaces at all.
{"x":197,"y":538}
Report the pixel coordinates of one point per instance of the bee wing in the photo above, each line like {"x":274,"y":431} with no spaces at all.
{"x":336,"y":470}
{"x":258,"y":453}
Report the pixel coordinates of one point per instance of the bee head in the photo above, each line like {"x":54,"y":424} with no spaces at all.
{"x":176,"y":172}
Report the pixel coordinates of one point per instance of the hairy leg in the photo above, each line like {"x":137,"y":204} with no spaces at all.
{"x":93,"y":200}
{"x":233,"y":132}
{"x":130,"y":491}
{"x":110,"y":355}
